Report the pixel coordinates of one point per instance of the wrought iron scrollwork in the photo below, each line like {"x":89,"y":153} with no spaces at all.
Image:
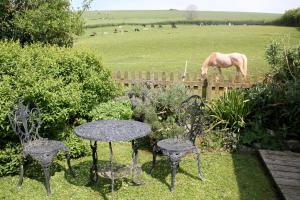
{"x":191,"y":118}
{"x":25,"y":121}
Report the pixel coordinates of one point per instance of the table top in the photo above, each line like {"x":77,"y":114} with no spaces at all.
{"x":113,"y":130}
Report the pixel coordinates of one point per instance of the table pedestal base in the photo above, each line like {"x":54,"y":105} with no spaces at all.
{"x":134,"y":170}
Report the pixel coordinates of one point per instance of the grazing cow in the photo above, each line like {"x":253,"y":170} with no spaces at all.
{"x":93,"y":34}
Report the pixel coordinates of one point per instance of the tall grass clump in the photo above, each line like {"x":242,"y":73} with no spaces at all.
{"x":228,"y":114}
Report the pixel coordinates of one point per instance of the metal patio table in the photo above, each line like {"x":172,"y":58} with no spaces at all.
{"x":112,"y":131}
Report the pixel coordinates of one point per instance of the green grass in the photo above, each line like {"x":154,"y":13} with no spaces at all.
{"x":228,"y":176}
{"x":94,"y":18}
{"x":167,"y":49}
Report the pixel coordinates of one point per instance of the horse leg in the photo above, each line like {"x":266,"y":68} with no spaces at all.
{"x":238,"y":72}
{"x":220,"y":72}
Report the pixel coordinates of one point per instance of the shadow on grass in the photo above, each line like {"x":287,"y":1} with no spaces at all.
{"x":33,"y":170}
{"x":163,"y":169}
{"x":103,"y":186}
{"x":252,"y":178}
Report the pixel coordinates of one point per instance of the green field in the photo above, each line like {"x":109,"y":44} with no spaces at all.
{"x":97,"y":18}
{"x":167,"y":49}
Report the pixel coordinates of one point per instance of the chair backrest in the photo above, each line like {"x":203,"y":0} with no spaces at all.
{"x":191,"y":117}
{"x":25,"y":121}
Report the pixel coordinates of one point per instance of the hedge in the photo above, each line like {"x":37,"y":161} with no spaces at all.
{"x":65,"y":83}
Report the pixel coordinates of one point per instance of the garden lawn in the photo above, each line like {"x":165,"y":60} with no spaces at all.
{"x":228,"y":176}
{"x":167,"y":49}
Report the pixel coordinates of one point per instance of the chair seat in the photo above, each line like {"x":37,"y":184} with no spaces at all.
{"x":175,"y":145}
{"x":44,"y":146}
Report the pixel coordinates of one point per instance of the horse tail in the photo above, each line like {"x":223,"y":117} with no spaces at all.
{"x":245,"y":67}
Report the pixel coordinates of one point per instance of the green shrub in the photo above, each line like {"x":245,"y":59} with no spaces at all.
{"x":230,"y":110}
{"x":160,"y":109}
{"x":76,"y":146}
{"x":40,"y":21}
{"x":276,"y":103}
{"x":290,"y":17}
{"x":228,"y":114}
{"x":65,"y":83}
{"x":112,"y":110}
{"x":283,"y":89}
{"x":256,"y":133}
{"x":9,"y":159}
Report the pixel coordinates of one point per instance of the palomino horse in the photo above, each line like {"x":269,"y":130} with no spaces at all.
{"x":219,"y":60}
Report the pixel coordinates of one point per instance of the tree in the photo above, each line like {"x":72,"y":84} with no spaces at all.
{"x":45,"y":21}
{"x":291,"y":17}
{"x":191,"y":12}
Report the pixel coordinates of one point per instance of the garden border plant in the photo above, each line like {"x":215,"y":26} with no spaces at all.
{"x":65,"y":83}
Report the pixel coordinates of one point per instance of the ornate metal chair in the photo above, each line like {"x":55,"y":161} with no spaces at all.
{"x":26,"y":122}
{"x":191,"y":119}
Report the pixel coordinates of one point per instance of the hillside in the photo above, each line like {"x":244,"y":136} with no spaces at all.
{"x":102,"y":18}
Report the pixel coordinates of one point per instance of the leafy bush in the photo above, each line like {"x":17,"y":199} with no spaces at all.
{"x":284,"y":88}
{"x":230,"y":110}
{"x":76,"y":146}
{"x":40,"y":21}
{"x":112,"y":110}
{"x":159,"y":109}
{"x":65,"y":83}
{"x":255,"y":133}
{"x":276,"y":103}
{"x":9,"y":159}
{"x":228,"y":114}
{"x":290,"y":17}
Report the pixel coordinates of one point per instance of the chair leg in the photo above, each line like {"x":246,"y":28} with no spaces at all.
{"x":47,"y":179}
{"x":154,"y":153}
{"x":197,"y":153}
{"x":21,"y":173}
{"x":174,"y":159}
{"x":69,"y":164}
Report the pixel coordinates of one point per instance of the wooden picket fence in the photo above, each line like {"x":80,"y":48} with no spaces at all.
{"x":210,"y":87}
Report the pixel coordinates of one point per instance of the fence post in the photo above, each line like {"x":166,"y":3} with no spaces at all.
{"x":140,"y":76}
{"x":171,"y":78}
{"x":163,"y":77}
{"x":118,"y":75}
{"x":148,"y":76}
{"x":132,"y":77}
{"x":126,"y":82}
{"x":206,"y":89}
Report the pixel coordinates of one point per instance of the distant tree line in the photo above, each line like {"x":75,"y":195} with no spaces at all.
{"x":290,"y":18}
